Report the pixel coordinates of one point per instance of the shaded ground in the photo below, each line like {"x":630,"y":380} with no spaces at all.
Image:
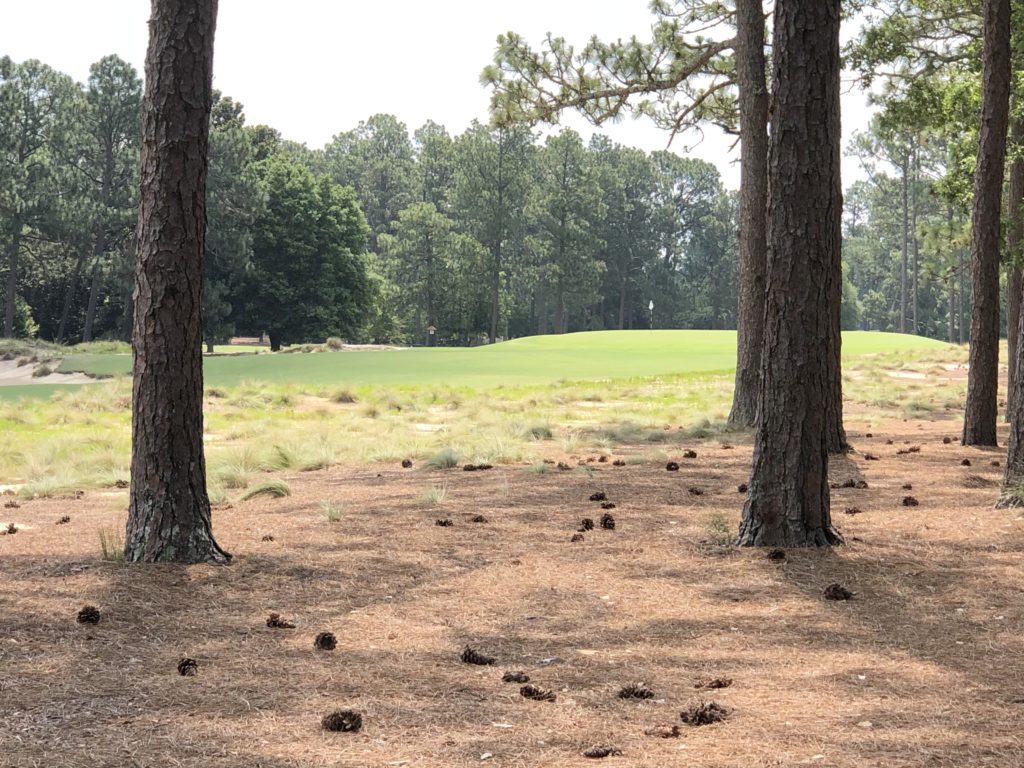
{"x":924,"y":667}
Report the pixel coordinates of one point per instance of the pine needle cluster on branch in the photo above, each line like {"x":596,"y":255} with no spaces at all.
{"x":681,"y":77}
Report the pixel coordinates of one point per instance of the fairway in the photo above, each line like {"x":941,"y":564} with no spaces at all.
{"x":532,"y":360}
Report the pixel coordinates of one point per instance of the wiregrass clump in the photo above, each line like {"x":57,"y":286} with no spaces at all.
{"x":274,"y":489}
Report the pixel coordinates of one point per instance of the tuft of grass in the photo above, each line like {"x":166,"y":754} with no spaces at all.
{"x":334,"y":344}
{"x":42,"y":370}
{"x":435,"y":494}
{"x":537,"y":468}
{"x":719,"y":533}
{"x":539,"y":431}
{"x":283,"y":457}
{"x":275,"y":489}
{"x":332,"y":511}
{"x":446,"y":458}
{"x":233,"y":476}
{"x":111,"y":545}
{"x":344,"y":397}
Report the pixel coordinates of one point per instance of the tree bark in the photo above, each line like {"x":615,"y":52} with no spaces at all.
{"x":906,"y":245}
{"x":915,"y":263}
{"x":1015,"y":281}
{"x":788,"y":501}
{"x":169,"y":510}
{"x":94,"y":292}
{"x":14,"y":250}
{"x":753,"y":98}
{"x":982,"y":382}
{"x":69,"y":296}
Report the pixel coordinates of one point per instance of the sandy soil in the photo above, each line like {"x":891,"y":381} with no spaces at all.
{"x":11,"y":373}
{"x":923,"y":667}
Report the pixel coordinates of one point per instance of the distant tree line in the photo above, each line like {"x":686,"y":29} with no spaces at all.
{"x":378,"y":236}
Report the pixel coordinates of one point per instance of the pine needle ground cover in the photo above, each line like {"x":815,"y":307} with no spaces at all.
{"x":922,"y":666}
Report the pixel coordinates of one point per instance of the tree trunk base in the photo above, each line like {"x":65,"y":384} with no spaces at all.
{"x":753,"y":535}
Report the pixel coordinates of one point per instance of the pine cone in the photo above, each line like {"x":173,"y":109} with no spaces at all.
{"x":586,"y":524}
{"x":576,"y":538}
{"x":713,"y":683}
{"x":188,"y":667}
{"x":672,"y":466}
{"x":479,"y":519}
{"x":343,"y":720}
{"x":274,"y":621}
{"x":11,"y":529}
{"x":689,"y":454}
{"x":267,"y":537}
{"x":636,"y":691}
{"x":607,"y":521}
{"x":599,"y":496}
{"x":619,"y":463}
{"x":470,"y":656}
{"x":777,"y":555}
{"x":596,"y":753}
{"x":837,"y":592}
{"x":910,"y":501}
{"x":325,"y":641}
{"x":742,"y":488}
{"x":469,"y":468}
{"x":663,"y":731}
{"x":515,"y":677}
{"x":704,"y":713}
{"x":64,"y":520}
{"x":406,"y":463}
{"x":444,"y":523}
{"x":536,"y":694}
{"x":696,"y":492}
{"x":90,"y":614}
{"x":608,"y":505}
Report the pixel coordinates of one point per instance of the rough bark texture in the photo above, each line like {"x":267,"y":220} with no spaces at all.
{"x":788,"y":501}
{"x":981,"y":412}
{"x":169,"y":511}
{"x":750,"y":72}
{"x":1013,"y":479}
{"x":1015,"y":282}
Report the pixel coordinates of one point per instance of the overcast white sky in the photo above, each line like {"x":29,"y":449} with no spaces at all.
{"x":313,"y":68}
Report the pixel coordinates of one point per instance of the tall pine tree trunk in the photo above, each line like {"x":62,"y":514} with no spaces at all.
{"x":169,"y":510}
{"x":982,"y":383}
{"x":906,"y":247}
{"x":750,"y":72}
{"x":13,"y":251}
{"x":1014,"y":283}
{"x":69,"y":296}
{"x":788,"y":501}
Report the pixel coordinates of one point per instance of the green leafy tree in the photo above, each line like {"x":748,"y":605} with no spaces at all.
{"x":491,"y":186}
{"x":566,"y":207}
{"x":37,"y":105}
{"x":309,"y":278}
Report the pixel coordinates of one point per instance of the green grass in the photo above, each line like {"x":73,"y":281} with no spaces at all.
{"x":274,"y":489}
{"x":532,"y":360}
{"x":79,"y":438}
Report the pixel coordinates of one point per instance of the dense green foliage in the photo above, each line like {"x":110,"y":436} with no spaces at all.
{"x":494,"y":233}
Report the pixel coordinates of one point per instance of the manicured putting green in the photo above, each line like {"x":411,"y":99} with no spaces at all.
{"x":533,"y":360}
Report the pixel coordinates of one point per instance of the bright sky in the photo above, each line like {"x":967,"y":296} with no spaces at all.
{"x":314,"y":68}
